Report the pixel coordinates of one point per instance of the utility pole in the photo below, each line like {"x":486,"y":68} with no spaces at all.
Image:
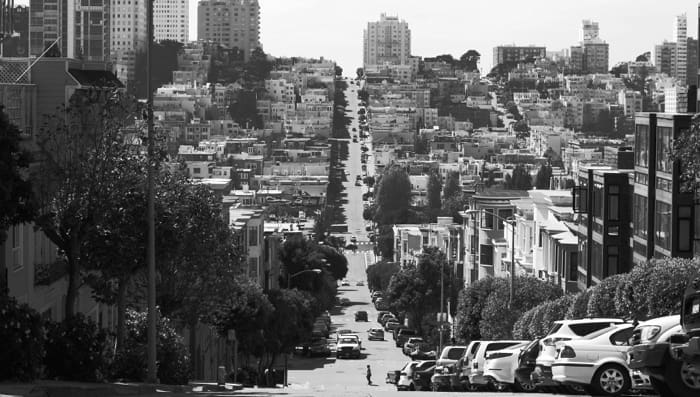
{"x":512,"y":263}
{"x":151,"y":249}
{"x":442,"y":302}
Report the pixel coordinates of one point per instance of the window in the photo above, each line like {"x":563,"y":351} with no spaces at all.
{"x":598,"y":200}
{"x":252,"y":236}
{"x":685,"y":234}
{"x":505,"y":214}
{"x":17,"y":247}
{"x":597,"y":260}
{"x":487,"y":219}
{"x":573,"y":266}
{"x":640,"y":225}
{"x":612,"y":260}
{"x":613,"y":203}
{"x":588,"y":328}
{"x":641,"y":146}
{"x":580,"y":203}
{"x":662,"y":232}
{"x":486,"y":252}
{"x":663,"y":149}
{"x":622,"y":337}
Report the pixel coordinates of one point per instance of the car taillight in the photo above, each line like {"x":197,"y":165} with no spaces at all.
{"x":498,"y":355}
{"x":567,"y":352}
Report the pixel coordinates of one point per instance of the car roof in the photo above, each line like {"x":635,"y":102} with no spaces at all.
{"x":663,"y":322}
{"x":589,"y":320}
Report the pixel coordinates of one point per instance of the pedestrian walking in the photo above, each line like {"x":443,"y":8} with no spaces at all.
{"x":369,"y":375}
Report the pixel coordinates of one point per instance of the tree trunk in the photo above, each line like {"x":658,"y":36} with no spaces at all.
{"x":73,"y":258}
{"x":121,"y":311}
{"x":193,"y":347}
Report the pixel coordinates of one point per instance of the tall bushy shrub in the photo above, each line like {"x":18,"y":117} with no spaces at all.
{"x":535,"y":327}
{"x":521,"y":328}
{"x":130,"y":362}
{"x":471,"y":300}
{"x":75,"y":349}
{"x":631,"y":296}
{"x":21,"y":341}
{"x":602,"y":301}
{"x":497,"y":318}
{"x":579,"y":305}
{"x":667,"y":286}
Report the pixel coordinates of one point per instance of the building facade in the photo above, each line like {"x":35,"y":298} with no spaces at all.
{"x":230,"y":23}
{"x":387,"y":41}
{"x":665,"y":57}
{"x":680,"y":33}
{"x":128,"y":37}
{"x":171,"y":20}
{"x":516,"y":54}
{"x":665,"y":218}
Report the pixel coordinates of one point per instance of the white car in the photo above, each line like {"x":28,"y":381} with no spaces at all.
{"x":476,"y":375}
{"x":500,"y":366}
{"x":348,"y":346}
{"x":658,"y":330}
{"x":598,"y":360}
{"x":405,"y":381}
{"x":564,"y":330}
{"x":450,"y":355}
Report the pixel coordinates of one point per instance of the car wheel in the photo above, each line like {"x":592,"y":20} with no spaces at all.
{"x":524,"y":387}
{"x":411,"y":387}
{"x":611,"y":380}
{"x":682,"y":378}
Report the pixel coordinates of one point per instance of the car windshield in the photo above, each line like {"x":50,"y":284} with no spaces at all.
{"x":348,"y":340}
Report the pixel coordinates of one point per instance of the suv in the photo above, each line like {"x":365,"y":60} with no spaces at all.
{"x":403,"y":334}
{"x":564,"y":330}
{"x":348,"y":347}
{"x":406,"y":381}
{"x":361,"y":316}
{"x":411,"y":344}
{"x":476,"y":375}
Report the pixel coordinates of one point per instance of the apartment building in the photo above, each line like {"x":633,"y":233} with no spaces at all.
{"x":514,"y":54}
{"x":680,"y":30}
{"x":664,"y":217}
{"x":230,"y":23}
{"x":387,"y":41}
{"x":410,"y":240}
{"x":604,"y":222}
{"x":171,"y":20}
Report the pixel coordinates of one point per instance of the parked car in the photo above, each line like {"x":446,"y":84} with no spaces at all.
{"x":450,"y":355}
{"x":423,"y":352}
{"x":380,"y":304}
{"x":464,"y":366}
{"x":564,"y":330}
{"x":386,"y":318}
{"x":403,"y":335}
{"x":406,"y":381}
{"x":500,"y":366}
{"x":375,"y":334}
{"x":648,"y":345}
{"x":345,"y":302}
{"x":360,"y":283}
{"x":422,"y":379}
{"x":381,"y":314}
{"x":598,"y":361}
{"x":319,"y":347}
{"x":391,"y":325}
{"x":411,"y":344}
{"x":476,"y":375}
{"x":358,"y":183}
{"x":344,"y":283}
{"x":361,"y":316}
{"x":348,"y":347}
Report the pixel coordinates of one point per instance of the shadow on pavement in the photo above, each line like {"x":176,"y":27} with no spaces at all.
{"x":305,"y":364}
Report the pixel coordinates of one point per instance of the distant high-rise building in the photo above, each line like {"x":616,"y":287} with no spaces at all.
{"x":505,"y":53}
{"x":592,"y":55}
{"x":590,"y":31}
{"x":80,"y":28}
{"x":692,"y":65}
{"x":17,"y":46}
{"x":129,"y":37}
{"x":230,"y":23}
{"x":171,"y":20}
{"x":387,"y":41}
{"x":680,"y":29}
{"x":665,"y":58}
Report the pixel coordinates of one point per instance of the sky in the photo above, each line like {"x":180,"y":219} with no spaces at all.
{"x":333,"y":28}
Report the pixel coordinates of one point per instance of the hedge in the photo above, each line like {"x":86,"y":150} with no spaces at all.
{"x":75,"y":349}
{"x":21,"y":341}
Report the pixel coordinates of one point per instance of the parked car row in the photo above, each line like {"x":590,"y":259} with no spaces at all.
{"x":593,"y":355}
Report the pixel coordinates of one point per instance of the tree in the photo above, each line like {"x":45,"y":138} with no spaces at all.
{"x":379,"y":274}
{"x":393,"y":196}
{"x":434,"y":191}
{"x":360,"y":73}
{"x":643,"y":57}
{"x":369,"y":181}
{"x":470,"y":60}
{"x":81,"y":147}
{"x":522,"y":130}
{"x":512,"y":108}
{"x":452,"y":187}
{"x":619,"y":69}
{"x":338,"y":71}
{"x":686,"y":151}
{"x":544,"y":174}
{"x":521,"y":179}
{"x":415,"y":289}
{"x":421,"y":145}
{"x":258,"y":67}
{"x":16,"y":198}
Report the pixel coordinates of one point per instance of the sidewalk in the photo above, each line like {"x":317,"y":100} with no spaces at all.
{"x":47,"y":388}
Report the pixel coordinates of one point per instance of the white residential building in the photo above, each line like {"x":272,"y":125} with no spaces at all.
{"x":676,"y":99}
{"x":680,"y":30}
{"x":171,"y":20}
{"x":387,"y":41}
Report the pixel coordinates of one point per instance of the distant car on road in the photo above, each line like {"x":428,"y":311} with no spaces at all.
{"x":358,"y":183}
{"x":345,"y":302}
{"x":360,"y":283}
{"x":344,"y":283}
{"x":375,"y":334}
{"x":361,"y":316}
{"x":353,"y":240}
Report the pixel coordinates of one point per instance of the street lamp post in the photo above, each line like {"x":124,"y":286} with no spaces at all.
{"x":511,"y":222}
{"x":289,"y":286}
